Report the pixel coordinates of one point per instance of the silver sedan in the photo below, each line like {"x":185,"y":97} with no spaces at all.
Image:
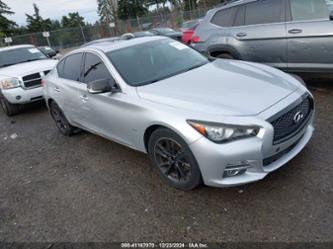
{"x":221,"y":122}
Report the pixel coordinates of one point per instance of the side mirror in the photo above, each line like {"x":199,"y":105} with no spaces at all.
{"x":102,"y":86}
{"x":331,"y":15}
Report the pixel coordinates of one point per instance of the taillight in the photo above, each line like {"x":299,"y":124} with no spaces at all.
{"x":195,"y":39}
{"x":42,"y":82}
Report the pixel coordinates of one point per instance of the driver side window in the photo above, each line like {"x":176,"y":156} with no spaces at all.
{"x":94,"y":69}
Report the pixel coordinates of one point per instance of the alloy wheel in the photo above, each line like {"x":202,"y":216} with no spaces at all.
{"x":172,"y":160}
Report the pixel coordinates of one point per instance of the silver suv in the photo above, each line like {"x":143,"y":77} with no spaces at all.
{"x":293,"y":35}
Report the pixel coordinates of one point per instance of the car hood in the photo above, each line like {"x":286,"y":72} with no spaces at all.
{"x":27,"y":68}
{"x":223,"y":87}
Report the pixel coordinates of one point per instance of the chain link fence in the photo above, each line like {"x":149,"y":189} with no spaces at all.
{"x":74,"y":37}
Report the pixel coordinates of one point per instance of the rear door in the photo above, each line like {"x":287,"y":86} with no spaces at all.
{"x":259,"y":32}
{"x":310,"y":36}
{"x":68,"y":85}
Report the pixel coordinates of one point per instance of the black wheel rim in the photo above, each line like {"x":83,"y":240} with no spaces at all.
{"x":172,"y":160}
{"x":59,"y":119}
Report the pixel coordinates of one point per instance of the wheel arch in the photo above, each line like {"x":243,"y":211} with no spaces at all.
{"x":153,"y":127}
{"x":223,"y":49}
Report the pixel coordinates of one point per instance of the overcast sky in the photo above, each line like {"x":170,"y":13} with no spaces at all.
{"x":53,"y":9}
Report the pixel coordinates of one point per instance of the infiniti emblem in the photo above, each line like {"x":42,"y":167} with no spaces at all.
{"x":298,"y":117}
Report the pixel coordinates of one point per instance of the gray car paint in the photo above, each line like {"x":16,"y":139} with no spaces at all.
{"x":272,"y":44}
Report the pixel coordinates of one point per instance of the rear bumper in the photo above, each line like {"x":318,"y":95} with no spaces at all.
{"x":214,"y":158}
{"x":23,"y":96}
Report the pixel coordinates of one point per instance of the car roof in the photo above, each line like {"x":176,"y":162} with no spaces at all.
{"x":16,"y":47}
{"x":111,"y":46}
{"x":102,"y":40}
{"x":232,"y":3}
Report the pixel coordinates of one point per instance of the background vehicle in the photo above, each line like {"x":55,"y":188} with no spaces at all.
{"x":21,"y":71}
{"x":189,"y":25}
{"x":223,"y":122}
{"x":103,"y":40}
{"x":50,"y":52}
{"x":188,"y":29}
{"x":167,"y":32}
{"x":293,"y":35}
{"x":138,"y":34}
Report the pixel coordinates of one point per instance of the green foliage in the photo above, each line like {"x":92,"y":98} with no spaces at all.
{"x":6,"y":25}
{"x":36,"y":23}
{"x":131,"y":9}
{"x":73,"y":20}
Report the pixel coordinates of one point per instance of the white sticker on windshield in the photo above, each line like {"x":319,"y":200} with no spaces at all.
{"x":178,"y":45}
{"x":33,"y":50}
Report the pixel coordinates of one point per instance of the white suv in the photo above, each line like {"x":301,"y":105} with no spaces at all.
{"x":21,"y":70}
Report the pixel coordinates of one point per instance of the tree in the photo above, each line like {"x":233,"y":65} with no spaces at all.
{"x":36,"y":23}
{"x":73,"y":20}
{"x":108,"y":10}
{"x":6,"y":26}
{"x":131,"y":9}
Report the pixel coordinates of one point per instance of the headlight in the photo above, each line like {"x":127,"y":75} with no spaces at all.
{"x":221,"y":133}
{"x":9,"y":83}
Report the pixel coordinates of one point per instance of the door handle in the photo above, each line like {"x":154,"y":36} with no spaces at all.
{"x":295,"y":31}
{"x":57,"y":89}
{"x":241,"y":34}
{"x":84,"y":98}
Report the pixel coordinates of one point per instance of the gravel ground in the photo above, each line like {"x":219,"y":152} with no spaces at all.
{"x":86,"y":188}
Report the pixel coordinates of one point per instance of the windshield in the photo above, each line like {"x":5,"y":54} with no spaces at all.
{"x":19,"y":55}
{"x":153,"y":61}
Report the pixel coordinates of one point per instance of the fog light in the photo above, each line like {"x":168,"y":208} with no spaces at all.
{"x":237,"y":168}
{"x":18,"y":97}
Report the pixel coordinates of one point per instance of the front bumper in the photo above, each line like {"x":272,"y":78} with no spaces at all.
{"x":19,"y":95}
{"x":214,"y":158}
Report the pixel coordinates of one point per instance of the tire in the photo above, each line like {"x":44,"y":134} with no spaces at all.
{"x":225,"y":56}
{"x":61,"y":121}
{"x":8,"y":108}
{"x":174,"y":160}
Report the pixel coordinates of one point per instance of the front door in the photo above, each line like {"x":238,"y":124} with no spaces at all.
{"x":259,"y":32}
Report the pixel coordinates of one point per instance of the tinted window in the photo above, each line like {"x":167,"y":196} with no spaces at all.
{"x":330,"y":4}
{"x":265,"y":11}
{"x":60,"y":68}
{"x":309,"y":9}
{"x":72,"y":67}
{"x":19,"y":55}
{"x":153,"y":61}
{"x":240,"y":17}
{"x":94,"y":69}
{"x":224,"y":18}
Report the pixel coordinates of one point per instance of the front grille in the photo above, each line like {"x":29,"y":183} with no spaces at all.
{"x":32,"y":80}
{"x":267,"y":161}
{"x":291,"y":120}
{"x":31,"y":77}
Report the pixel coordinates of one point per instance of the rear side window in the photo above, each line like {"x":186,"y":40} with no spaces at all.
{"x":94,"y":69}
{"x":225,"y":17}
{"x":60,"y":68}
{"x":265,"y":11}
{"x":302,"y":10}
{"x":72,"y":67}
